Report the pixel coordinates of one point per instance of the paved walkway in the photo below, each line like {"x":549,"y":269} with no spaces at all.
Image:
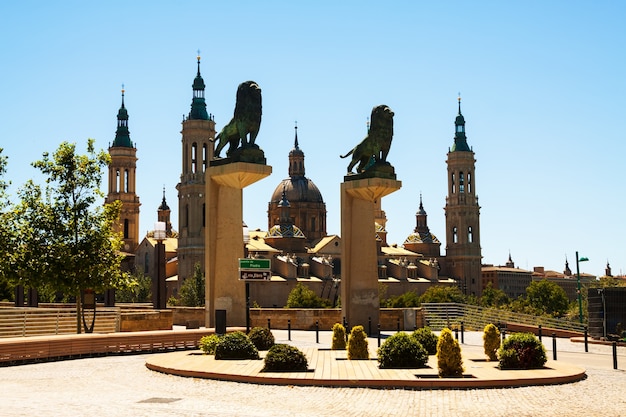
{"x":123,"y":386}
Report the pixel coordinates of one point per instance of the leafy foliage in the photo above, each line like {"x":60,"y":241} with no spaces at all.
{"x":303,"y":297}
{"x":261,"y":337}
{"x":522,"y":351}
{"x":357,"y":344}
{"x":282,"y":357}
{"x":208,"y":344}
{"x":339,"y":337}
{"x":547,"y":297}
{"x":139,"y":289}
{"x":406,"y":300}
{"x":449,"y":360}
{"x":235,"y":345}
{"x":402,"y":351}
{"x":493,"y":297}
{"x":491,"y":341}
{"x":427,"y":339}
{"x":192,"y":291}
{"x":442,"y":294}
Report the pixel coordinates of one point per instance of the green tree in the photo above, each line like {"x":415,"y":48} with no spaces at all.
{"x":192,"y":290}
{"x":442,"y":294}
{"x":304,"y":297}
{"x":139,"y":289}
{"x":6,"y":238}
{"x":65,"y":237}
{"x":493,"y":297}
{"x":547,"y":297}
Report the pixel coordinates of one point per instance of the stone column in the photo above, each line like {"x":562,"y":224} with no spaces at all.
{"x":359,"y":260}
{"x":224,"y":238}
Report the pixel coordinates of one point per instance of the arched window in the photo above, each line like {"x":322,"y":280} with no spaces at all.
{"x":469,"y":182}
{"x":453,"y":184}
{"x":194,"y":156}
{"x":470,"y":235}
{"x":455,"y":236}
{"x":205,"y":157}
{"x":126,"y":228}
{"x":186,"y":216}
{"x":126,"y":181}
{"x":461,"y":182}
{"x":203,"y":214}
{"x":116,"y":188}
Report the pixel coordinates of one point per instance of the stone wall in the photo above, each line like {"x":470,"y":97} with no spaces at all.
{"x":137,"y":321}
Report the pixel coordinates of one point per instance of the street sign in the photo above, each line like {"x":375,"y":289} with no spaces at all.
{"x":254,"y":269}
{"x":254,"y":264}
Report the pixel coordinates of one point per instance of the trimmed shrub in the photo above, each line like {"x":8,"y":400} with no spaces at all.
{"x":522,"y":351}
{"x":283,"y":357}
{"x":209,"y":343}
{"x":449,"y":360}
{"x":235,"y":345}
{"x":491,"y":341}
{"x":261,"y":337}
{"x":357,"y":344}
{"x":339,"y":337}
{"x":402,"y":351}
{"x":427,"y":339}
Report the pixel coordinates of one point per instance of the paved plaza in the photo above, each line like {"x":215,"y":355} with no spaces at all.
{"x":123,"y":386}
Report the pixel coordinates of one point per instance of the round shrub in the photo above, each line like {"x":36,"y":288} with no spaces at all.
{"x":522,"y":351}
{"x":209,"y":343}
{"x":235,"y":345}
{"x":427,"y":339}
{"x":261,"y":337}
{"x":339,"y":337}
{"x":357,"y":344}
{"x":449,"y":360}
{"x":402,"y":351}
{"x":283,"y":357}
{"x":491,"y":341}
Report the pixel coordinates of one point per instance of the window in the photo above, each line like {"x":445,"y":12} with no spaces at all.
{"x":455,"y":238}
{"x":453,"y":184}
{"x":203,"y":214}
{"x":205,"y":157}
{"x":469,"y":182}
{"x":461,"y":182}
{"x":126,"y":181}
{"x":126,"y":228}
{"x":194,"y":156}
{"x":470,"y":235}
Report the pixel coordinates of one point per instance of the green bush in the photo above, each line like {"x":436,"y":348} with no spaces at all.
{"x":491,"y":341}
{"x":339,"y":337}
{"x":304,"y":297}
{"x":357,"y":344}
{"x":402,"y":351}
{"x":283,"y":357}
{"x":209,"y":343}
{"x":261,"y":337}
{"x":449,"y":360}
{"x":522,"y":351}
{"x":235,"y":346}
{"x":427,"y":339}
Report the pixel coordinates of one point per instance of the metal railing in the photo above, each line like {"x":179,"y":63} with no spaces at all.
{"x":440,"y":315}
{"x":28,"y":321}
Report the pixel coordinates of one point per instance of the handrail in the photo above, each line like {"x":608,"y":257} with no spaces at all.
{"x":29,"y":321}
{"x":440,"y":315}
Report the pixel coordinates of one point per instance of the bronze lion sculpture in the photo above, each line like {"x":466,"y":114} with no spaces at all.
{"x":246,"y":120}
{"x":375,"y":147}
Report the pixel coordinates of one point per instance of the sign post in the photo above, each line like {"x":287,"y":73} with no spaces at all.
{"x":251,"y":270}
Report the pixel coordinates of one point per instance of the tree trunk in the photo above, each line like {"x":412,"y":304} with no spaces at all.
{"x":78,"y":314}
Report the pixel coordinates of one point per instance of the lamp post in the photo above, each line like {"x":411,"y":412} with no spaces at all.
{"x":580,"y":302}
{"x":158,"y":287}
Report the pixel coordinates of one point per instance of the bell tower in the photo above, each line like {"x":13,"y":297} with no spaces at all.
{"x":463,"y":253}
{"x":197,"y":139}
{"x":122,"y":179}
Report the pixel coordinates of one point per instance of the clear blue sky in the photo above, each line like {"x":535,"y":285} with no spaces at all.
{"x":543,"y":87}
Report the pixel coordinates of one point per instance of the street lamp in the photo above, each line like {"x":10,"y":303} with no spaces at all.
{"x":158,"y":285}
{"x":246,"y":240}
{"x":580,"y":302}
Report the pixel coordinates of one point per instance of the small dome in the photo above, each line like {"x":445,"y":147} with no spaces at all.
{"x":421,"y":238}
{"x":297,"y":190}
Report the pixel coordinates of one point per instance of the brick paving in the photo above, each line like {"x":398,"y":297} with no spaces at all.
{"x":123,"y":386}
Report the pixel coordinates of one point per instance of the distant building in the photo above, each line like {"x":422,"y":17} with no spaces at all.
{"x":509,"y":279}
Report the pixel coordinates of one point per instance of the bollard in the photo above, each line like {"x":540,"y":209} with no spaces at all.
{"x":369,"y":326}
{"x":345,"y":323}
{"x":462,"y":333}
{"x":398,"y":325}
{"x":586,"y":341}
{"x":288,"y":329}
{"x":456,"y":333}
{"x":539,"y":332}
{"x":378,"y":334}
{"x":553,"y":345}
{"x":268,"y":324}
{"x":317,"y":332}
{"x":614,"y":355}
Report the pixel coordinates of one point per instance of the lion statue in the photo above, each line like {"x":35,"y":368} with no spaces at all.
{"x":375,"y":147}
{"x":246,"y":120}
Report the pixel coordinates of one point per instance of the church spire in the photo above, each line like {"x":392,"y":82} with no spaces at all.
{"x":198,"y":104}
{"x":460,"y":140}
{"x":296,"y":158}
{"x":122,"y":135}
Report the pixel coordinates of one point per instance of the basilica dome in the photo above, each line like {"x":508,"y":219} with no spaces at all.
{"x":298,"y":190}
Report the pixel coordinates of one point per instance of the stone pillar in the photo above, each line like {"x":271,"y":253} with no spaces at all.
{"x":224,"y":238}
{"x":359,"y":260}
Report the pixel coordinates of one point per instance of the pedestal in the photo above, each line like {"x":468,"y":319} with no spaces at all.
{"x":359,"y":260}
{"x":224,"y":238}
